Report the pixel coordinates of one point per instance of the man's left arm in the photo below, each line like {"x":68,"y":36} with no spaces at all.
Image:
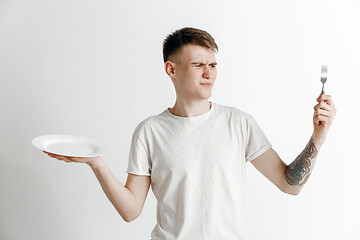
{"x":291,"y":178}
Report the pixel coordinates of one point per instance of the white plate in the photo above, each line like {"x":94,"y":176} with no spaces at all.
{"x":70,"y":145}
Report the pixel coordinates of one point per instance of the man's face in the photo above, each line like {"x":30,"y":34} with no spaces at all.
{"x":192,"y":67}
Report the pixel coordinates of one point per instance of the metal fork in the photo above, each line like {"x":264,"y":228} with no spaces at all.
{"x":323,"y":80}
{"x":323,"y":77}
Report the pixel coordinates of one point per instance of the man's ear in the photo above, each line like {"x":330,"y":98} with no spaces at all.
{"x":169,"y":68}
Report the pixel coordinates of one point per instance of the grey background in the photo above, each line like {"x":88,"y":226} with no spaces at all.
{"x":95,"y":69}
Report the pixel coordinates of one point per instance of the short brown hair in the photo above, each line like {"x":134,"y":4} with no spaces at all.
{"x":174,"y":41}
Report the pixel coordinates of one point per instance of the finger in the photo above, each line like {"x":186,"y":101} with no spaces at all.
{"x":323,"y":113}
{"x":322,"y":97}
{"x":76,"y":159}
{"x":48,"y":153}
{"x":62,"y":157}
{"x":323,"y":105}
{"x":66,"y":158}
{"x":58,"y":157}
{"x":330,"y":111}
{"x":326,"y":98}
{"x":321,"y":120}
{"x":73,"y":159}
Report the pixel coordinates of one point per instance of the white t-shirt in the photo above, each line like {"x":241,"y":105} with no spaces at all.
{"x":197,"y":167}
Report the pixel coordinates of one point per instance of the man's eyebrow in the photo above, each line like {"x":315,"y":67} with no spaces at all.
{"x":213,"y":63}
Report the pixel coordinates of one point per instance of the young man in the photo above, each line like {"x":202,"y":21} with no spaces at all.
{"x":194,"y":154}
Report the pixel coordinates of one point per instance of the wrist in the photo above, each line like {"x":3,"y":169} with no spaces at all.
{"x":318,"y":141}
{"x":95,"y":163}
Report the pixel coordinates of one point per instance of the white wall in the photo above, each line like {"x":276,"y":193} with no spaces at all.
{"x":94,"y":68}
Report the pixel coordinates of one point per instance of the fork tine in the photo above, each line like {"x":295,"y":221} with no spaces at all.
{"x":323,"y":71}
{"x":323,"y":77}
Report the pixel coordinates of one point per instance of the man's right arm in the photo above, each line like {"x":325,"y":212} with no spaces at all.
{"x":128,"y":200}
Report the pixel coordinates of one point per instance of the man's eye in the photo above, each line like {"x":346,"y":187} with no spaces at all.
{"x":201,"y":65}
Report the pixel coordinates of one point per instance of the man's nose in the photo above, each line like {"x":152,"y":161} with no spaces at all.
{"x":207,"y":72}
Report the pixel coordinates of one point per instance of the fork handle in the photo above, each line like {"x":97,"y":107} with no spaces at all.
{"x":322,"y":92}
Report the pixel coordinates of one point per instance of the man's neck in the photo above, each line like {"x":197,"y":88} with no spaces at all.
{"x":190,"y":108}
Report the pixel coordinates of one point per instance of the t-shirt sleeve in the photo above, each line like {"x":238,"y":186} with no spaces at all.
{"x":139,"y":161}
{"x":257,"y":142}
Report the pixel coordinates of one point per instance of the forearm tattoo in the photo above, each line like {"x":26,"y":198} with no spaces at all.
{"x":298,"y":172}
